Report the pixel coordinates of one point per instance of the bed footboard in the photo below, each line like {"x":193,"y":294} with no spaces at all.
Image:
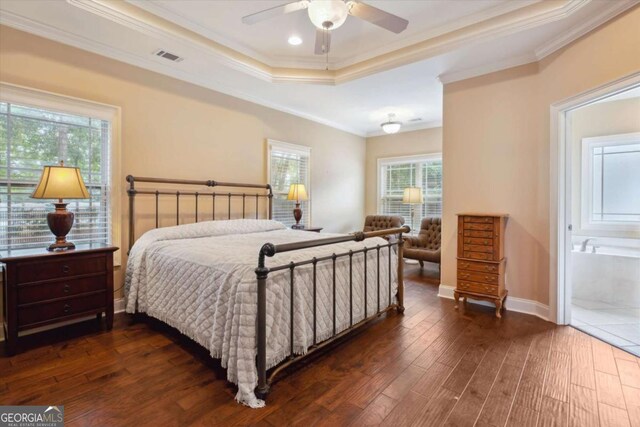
{"x":262,"y":273}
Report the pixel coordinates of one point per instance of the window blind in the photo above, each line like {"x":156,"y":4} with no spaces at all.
{"x":289,"y":164}
{"x":31,"y":138}
{"x":395,"y":175}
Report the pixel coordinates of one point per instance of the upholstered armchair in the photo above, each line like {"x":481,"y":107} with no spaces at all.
{"x":425,"y":246}
{"x":382,"y":222}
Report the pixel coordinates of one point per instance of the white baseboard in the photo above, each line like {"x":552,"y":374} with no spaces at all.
{"x":118,"y":307}
{"x":519,"y":305}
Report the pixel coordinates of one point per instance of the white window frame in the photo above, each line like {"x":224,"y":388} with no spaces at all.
{"x":29,"y":97}
{"x":586,"y":205}
{"x":383,"y":161}
{"x":302,"y":150}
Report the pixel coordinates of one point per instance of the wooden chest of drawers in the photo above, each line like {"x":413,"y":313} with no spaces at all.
{"x":41,"y":287}
{"x":481,"y":261}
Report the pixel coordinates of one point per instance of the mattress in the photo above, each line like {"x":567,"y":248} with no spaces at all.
{"x":200,"y":279}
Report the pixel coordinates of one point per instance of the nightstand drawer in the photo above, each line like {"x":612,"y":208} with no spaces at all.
{"x":56,"y":269}
{"x":60,"y":289}
{"x":51,"y":311}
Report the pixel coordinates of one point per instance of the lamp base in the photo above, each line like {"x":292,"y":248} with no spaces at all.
{"x":60,"y":222}
{"x":297,"y":215}
{"x":64,"y":246}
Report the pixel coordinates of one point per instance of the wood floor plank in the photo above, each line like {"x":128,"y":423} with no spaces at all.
{"x":376,"y":412}
{"x":603,"y":359}
{"x":437,"y":409}
{"x":406,"y":411}
{"x":404,"y":382}
{"x":498,"y":404}
{"x":522,"y":416}
{"x":553,"y":413}
{"x":558,"y":375}
{"x":632,"y":401}
{"x":609,"y":390}
{"x":582,"y":369}
{"x":611,"y":416}
{"x":469,"y":405}
{"x":583,"y":407}
{"x":629,"y":372}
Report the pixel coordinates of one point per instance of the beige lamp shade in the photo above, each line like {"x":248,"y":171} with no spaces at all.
{"x":298,"y":193}
{"x":60,"y":182}
{"x":412,"y":196}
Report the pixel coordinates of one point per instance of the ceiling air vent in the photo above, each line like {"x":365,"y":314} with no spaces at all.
{"x":168,"y":55}
{"x":417,"y":119}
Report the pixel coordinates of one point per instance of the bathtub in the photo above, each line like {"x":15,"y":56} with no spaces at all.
{"x":607,"y":273}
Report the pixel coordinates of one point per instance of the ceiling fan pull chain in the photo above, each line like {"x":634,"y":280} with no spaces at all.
{"x":326,"y":38}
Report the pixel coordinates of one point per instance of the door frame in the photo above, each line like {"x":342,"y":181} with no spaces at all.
{"x":560,"y":193}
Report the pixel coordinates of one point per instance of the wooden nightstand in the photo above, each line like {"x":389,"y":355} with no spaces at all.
{"x":314,"y":229}
{"x":41,"y":287}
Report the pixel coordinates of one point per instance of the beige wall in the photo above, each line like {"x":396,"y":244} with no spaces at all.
{"x":601,"y":119}
{"x":424,"y":141}
{"x":496,"y":145}
{"x":174,"y":129}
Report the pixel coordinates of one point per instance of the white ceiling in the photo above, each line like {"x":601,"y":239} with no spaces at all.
{"x":354,"y":41}
{"x":405,"y":82}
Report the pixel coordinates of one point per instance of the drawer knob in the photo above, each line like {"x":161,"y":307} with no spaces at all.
{"x":66,"y":289}
{"x":67,"y":308}
{"x":65,"y":269}
{"x":486,"y":242}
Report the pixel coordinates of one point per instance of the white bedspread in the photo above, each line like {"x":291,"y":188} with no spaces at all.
{"x":200,"y":278}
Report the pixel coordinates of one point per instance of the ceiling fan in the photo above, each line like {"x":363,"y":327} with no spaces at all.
{"x":328,"y":15}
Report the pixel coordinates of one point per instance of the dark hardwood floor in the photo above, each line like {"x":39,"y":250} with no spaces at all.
{"x":431,"y":366}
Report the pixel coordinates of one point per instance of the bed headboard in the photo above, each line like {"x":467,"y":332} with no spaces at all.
{"x":197,"y":196}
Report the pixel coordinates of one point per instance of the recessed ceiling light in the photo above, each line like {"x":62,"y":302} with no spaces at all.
{"x":295,"y":41}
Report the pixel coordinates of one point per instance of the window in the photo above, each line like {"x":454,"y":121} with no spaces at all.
{"x":289,"y":164}
{"x":38,"y":129}
{"x":611,"y":182}
{"x":396,"y":174}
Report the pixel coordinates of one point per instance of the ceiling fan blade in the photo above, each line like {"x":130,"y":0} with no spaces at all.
{"x":379,"y":17}
{"x":323,"y":41}
{"x":283,"y":9}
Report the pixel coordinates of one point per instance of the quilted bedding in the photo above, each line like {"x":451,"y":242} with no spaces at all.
{"x":200,"y":279}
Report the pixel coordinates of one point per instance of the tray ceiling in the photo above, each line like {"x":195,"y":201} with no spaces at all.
{"x":372,"y":71}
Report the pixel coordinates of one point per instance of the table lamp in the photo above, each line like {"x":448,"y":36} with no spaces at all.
{"x":60,"y":182}
{"x":412,"y":196}
{"x":298,"y":193}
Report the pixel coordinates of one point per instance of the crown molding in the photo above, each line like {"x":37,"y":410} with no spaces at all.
{"x":43,"y":30}
{"x":516,"y":20}
{"x":468,"y":73}
{"x":613,"y":9}
{"x":408,"y":128}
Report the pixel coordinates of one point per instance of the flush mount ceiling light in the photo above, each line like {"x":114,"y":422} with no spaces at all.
{"x":391,"y":126}
{"x":295,"y":41}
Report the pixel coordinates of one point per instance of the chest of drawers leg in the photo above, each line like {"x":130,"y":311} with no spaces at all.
{"x":42,"y":288}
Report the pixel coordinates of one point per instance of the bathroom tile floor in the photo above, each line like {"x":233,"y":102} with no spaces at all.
{"x":619,"y":326}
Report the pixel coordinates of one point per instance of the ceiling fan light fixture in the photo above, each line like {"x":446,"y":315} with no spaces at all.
{"x":328,"y":14}
{"x":391,"y":126}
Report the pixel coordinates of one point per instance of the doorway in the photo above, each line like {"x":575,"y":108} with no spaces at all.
{"x":599,"y":254}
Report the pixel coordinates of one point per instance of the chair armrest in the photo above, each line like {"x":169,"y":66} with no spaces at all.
{"x":412,"y":242}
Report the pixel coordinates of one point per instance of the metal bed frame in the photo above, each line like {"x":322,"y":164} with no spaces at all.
{"x":269,"y":250}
